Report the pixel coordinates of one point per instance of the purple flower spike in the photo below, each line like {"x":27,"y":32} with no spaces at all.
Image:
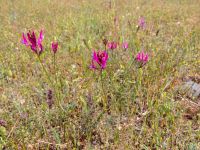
{"x":125,"y":45}
{"x":112,"y":45}
{"x":99,"y":59}
{"x":142,"y":57}
{"x":142,"y":23}
{"x":50,"y":100}
{"x":34,"y":43}
{"x":54,"y":46}
{"x":32,"y":40}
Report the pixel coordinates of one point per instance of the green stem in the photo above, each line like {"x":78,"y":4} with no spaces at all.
{"x":56,"y":84}
{"x":101,"y":72}
{"x":46,"y":73}
{"x":129,"y":67}
{"x":55,"y":74}
{"x":43,"y":68}
{"x":54,"y":62}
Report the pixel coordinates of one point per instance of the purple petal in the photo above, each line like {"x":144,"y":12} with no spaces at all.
{"x":146,"y":58}
{"x":95,"y":56}
{"x":41,"y":37}
{"x":125,"y":45}
{"x":24,"y":40}
{"x":138,"y":57}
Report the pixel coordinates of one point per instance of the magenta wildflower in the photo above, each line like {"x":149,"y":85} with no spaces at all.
{"x":125,"y":45}
{"x":141,"y":23}
{"x":112,"y":45}
{"x":34,"y":43}
{"x":54,"y":46}
{"x":142,"y":57}
{"x":99,"y":59}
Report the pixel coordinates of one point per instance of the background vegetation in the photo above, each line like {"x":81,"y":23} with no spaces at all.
{"x":138,"y":108}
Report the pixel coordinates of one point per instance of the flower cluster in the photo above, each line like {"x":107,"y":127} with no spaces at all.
{"x":142,"y":57}
{"x":125,"y":45}
{"x":99,"y":60}
{"x":100,"y":57}
{"x":54,"y":46}
{"x":141,"y":23}
{"x":112,"y":45}
{"x":30,"y":40}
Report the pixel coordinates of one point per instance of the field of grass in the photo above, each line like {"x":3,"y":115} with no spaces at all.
{"x":56,"y":101}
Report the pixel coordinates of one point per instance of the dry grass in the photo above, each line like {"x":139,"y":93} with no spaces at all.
{"x":138,"y":107}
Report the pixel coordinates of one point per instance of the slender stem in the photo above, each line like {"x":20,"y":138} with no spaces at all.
{"x":43,"y":68}
{"x":56,"y":75}
{"x":101,"y":72}
{"x":112,"y":53}
{"x":138,"y":28}
{"x":54,"y":65}
{"x":129,"y":67}
{"x":54,"y":62}
{"x":46,"y":73}
{"x":56,"y":84}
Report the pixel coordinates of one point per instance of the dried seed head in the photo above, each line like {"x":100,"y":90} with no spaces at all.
{"x":105,"y":41}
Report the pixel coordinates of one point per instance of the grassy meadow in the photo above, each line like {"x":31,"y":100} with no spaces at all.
{"x":57,"y":101}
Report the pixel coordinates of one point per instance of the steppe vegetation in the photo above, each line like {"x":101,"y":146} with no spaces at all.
{"x":99,"y":74}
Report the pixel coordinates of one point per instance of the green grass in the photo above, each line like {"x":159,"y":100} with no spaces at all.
{"x":129,"y":107}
